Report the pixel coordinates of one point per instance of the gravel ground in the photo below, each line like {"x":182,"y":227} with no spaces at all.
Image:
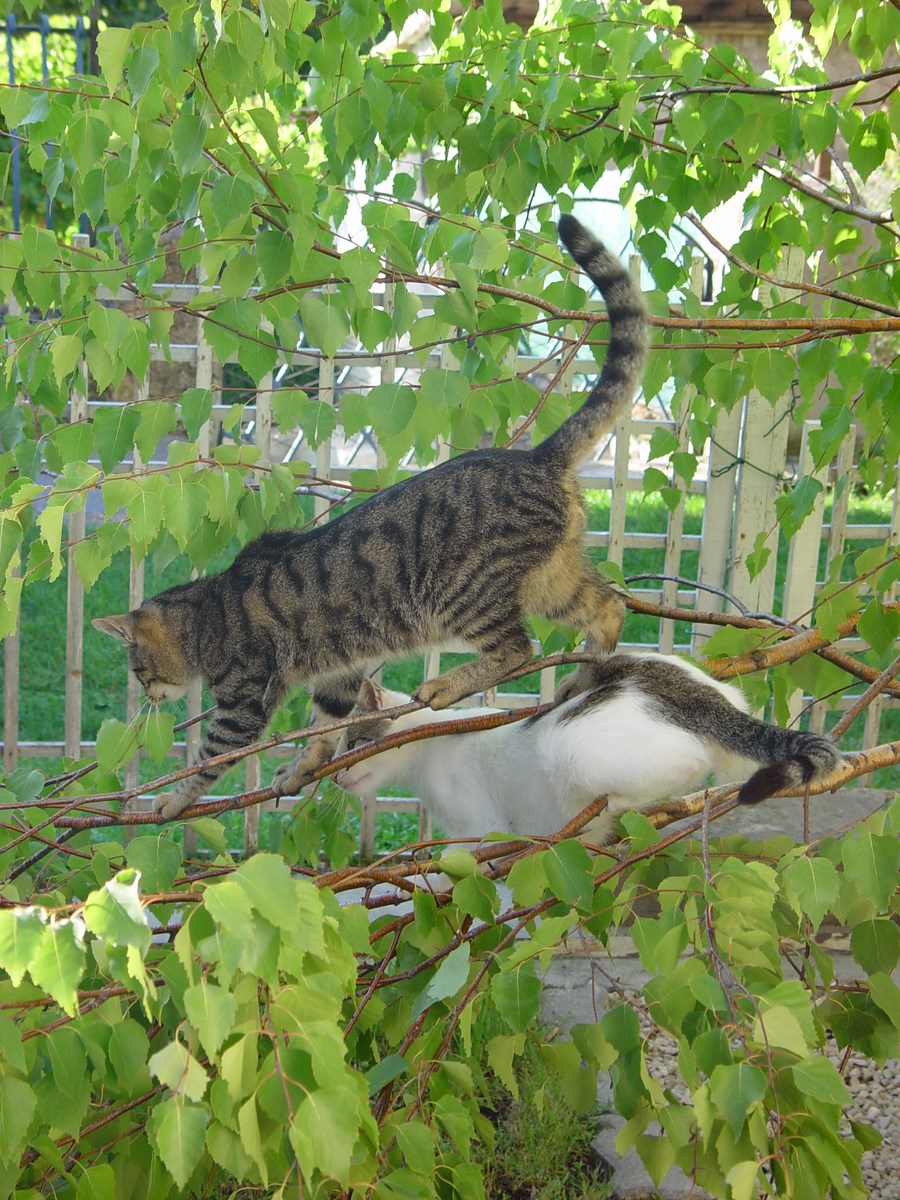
{"x":876,"y":1101}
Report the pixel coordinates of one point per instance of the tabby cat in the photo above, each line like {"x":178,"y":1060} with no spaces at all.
{"x":464,"y":551}
{"x":649,"y":727}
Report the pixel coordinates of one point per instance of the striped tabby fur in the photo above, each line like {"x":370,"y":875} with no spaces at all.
{"x":464,"y":551}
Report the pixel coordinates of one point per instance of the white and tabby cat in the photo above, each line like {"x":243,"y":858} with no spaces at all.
{"x":648,"y":728}
{"x":462,"y":551}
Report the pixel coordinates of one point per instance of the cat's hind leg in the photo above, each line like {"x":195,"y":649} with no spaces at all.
{"x":596,"y":608}
{"x":334,"y":697}
{"x":503,"y":643}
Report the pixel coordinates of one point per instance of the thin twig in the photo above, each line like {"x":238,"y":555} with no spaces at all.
{"x":874,"y":689}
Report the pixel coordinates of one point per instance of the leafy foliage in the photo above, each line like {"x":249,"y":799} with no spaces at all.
{"x":259,"y":1032}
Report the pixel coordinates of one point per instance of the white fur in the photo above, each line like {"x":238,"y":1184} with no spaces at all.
{"x":522,"y":778}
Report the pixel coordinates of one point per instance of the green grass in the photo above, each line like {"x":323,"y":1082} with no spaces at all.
{"x":542,"y":1149}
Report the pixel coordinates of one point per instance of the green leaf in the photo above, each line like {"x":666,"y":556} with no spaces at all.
{"x":69,"y":1061}
{"x":21,"y":931}
{"x":517,"y":995}
{"x":177,"y":1068}
{"x":812,"y":885}
{"x":196,"y":408}
{"x":158,"y":734}
{"x":325,"y":323}
{"x":157,"y":858}
{"x":212,"y":832}
{"x":871,"y":861}
{"x":115,"y":912}
{"x":112,"y":46}
{"x":128,"y":1047}
{"x":735,"y":1090}
{"x":50,"y":524}
{"x":886,"y":995}
{"x":58,"y":965}
{"x":569,"y":871}
{"x":879,"y":626}
{"x":796,"y":505}
{"x":870,"y":143}
{"x":267,"y":882}
{"x":229,"y":907}
{"x":116,"y":742}
{"x":156,"y":420}
{"x":876,"y":944}
{"x":141,"y":68}
{"x":17,"y":1105}
{"x":446,"y":981}
{"x":324,"y":1131}
{"x":231,"y":198}
{"x":502,"y":1051}
{"x":114,"y":433}
{"x":489,"y":249}
{"x":65,"y":350}
{"x":657,"y":1154}
{"x":11,"y":1048}
{"x":779,"y":1026}
{"x":391,"y":1067}
{"x":817,"y":1076}
{"x":742,"y":1180}
{"x":361,"y":267}
{"x":188,"y":134}
{"x":477,"y":896}
{"x":176,"y":1130}
{"x":185,"y":502}
{"x":417,"y":1141}
{"x":86,"y":139}
{"x":211,"y":1011}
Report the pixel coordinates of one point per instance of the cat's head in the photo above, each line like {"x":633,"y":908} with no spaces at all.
{"x":153,"y":653}
{"x":391,"y":766}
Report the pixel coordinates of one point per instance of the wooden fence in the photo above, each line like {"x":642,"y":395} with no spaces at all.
{"x":744,"y":468}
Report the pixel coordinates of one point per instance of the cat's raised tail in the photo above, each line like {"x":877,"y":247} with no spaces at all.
{"x":798,"y":758}
{"x":625,"y":355}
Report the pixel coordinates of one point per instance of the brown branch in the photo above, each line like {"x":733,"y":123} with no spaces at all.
{"x":791,"y":284}
{"x":877,"y":686}
{"x":818,"y":644}
{"x":796,"y":646}
{"x":852,"y":766}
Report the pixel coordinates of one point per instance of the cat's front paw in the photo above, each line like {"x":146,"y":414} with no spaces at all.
{"x":292,"y":777}
{"x":439,"y":693}
{"x":169,"y":805}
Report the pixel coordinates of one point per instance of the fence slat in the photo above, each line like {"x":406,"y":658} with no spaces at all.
{"x":262,"y":438}
{"x":194,"y":733}
{"x":134,"y":693}
{"x":78,"y":411}
{"x":12,"y":643}
{"x":759,"y":481}
{"x":803,"y":554}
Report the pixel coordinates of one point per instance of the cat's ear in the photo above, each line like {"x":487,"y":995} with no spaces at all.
{"x":120,"y":626}
{"x":371,"y":697}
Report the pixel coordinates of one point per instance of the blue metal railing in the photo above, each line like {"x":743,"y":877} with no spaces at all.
{"x":43,"y":27}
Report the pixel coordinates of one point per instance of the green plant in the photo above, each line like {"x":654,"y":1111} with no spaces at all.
{"x":255,"y":1033}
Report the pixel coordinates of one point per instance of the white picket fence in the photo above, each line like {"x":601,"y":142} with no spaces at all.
{"x":740,"y":485}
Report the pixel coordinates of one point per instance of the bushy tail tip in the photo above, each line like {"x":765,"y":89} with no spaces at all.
{"x":576,"y":239}
{"x":816,"y":761}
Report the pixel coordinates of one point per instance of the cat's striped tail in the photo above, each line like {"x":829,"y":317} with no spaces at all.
{"x":625,"y":355}
{"x":801,"y":758}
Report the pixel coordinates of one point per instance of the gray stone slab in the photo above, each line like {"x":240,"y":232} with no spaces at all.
{"x":829,"y":813}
